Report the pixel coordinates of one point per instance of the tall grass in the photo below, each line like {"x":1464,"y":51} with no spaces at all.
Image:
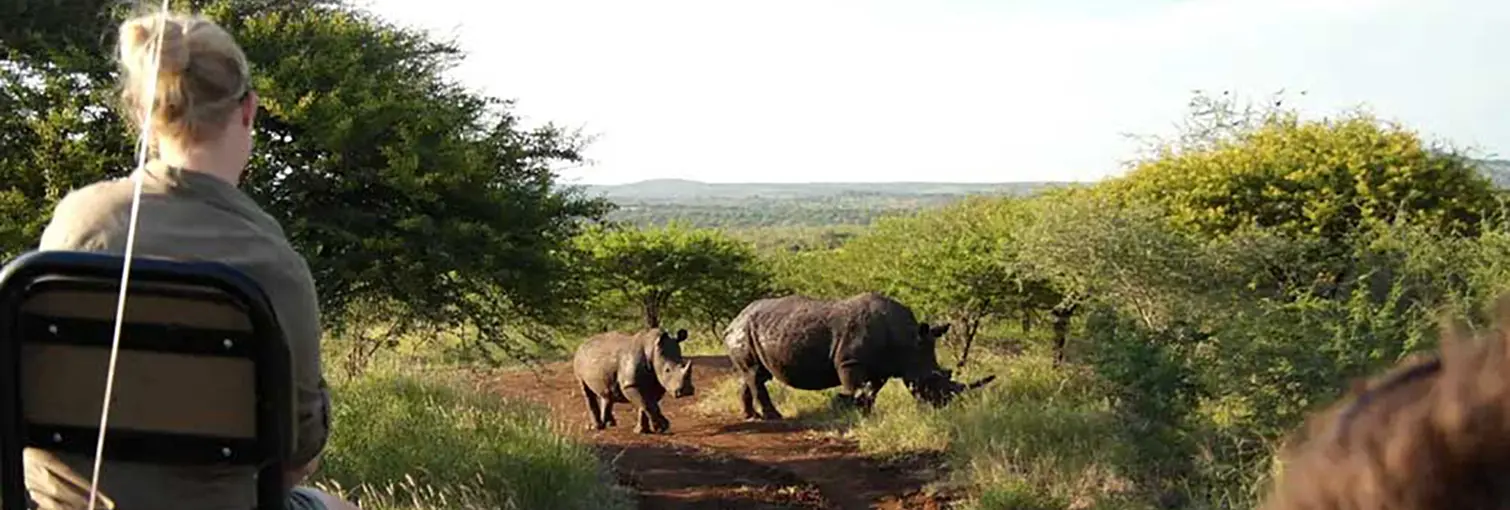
{"x":431,"y":442}
{"x":1040,"y":437}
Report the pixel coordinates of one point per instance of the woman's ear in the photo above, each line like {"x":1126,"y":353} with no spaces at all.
{"x":249,"y":109}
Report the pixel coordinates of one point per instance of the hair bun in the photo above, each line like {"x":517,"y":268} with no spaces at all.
{"x":191,"y":85}
{"x":136,"y":45}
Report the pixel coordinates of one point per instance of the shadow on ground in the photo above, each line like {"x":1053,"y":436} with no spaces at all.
{"x":676,"y":476}
{"x":723,"y":462}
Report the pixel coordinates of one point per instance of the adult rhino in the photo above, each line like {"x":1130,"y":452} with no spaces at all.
{"x":857,"y":343}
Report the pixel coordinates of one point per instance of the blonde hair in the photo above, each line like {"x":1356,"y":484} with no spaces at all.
{"x":202,"y":75}
{"x":1433,"y":433}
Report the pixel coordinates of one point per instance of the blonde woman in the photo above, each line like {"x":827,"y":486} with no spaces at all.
{"x":191,"y":208}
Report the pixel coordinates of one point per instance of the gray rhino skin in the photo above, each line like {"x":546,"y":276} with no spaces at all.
{"x":857,"y":343}
{"x":636,"y":369}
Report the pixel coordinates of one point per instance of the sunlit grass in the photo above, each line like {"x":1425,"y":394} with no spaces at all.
{"x":1038,"y":437}
{"x":432,"y":442}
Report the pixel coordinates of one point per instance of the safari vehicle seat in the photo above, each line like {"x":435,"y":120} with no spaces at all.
{"x":203,"y":377}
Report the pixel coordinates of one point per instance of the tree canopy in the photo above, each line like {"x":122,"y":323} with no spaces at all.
{"x":1319,"y":178}
{"x":676,"y":270}
{"x":406,"y":191}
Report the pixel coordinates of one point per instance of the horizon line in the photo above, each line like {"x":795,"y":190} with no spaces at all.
{"x":806,"y":183}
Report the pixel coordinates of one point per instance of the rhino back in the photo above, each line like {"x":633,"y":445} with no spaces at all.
{"x":798,"y":341}
{"x":884,"y":333}
{"x":890,"y":324}
{"x":604,"y":359}
{"x":803,"y":340}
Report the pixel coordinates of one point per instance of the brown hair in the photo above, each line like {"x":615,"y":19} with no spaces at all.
{"x":202,"y":75}
{"x":1431,"y":434}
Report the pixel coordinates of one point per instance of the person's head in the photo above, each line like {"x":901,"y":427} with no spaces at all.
{"x":203,"y":106}
{"x":1432,"y":433}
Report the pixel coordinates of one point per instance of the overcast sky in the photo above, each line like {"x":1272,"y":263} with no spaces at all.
{"x":955,"y":90}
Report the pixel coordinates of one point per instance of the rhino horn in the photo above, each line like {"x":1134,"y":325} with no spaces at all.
{"x":955,"y":388}
{"x":981,"y":382}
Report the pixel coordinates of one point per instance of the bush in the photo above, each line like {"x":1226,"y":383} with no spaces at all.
{"x":401,"y":442}
{"x":1040,"y":437}
{"x":1323,"y":178}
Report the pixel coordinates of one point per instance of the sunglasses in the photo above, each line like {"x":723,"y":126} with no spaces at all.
{"x":1425,"y":369}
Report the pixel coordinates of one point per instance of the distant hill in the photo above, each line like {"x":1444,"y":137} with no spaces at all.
{"x":736,"y":205}
{"x":1498,"y":171}
{"x":685,"y":191}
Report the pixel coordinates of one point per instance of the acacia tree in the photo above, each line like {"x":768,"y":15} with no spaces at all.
{"x":674,"y":270}
{"x":1089,"y":247}
{"x":957,"y":262}
{"x":421,"y":201}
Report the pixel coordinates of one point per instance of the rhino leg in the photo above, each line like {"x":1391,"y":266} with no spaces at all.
{"x":857,"y":387}
{"x":592,"y":408}
{"x":747,"y":396}
{"x":747,"y":400}
{"x":608,"y":413}
{"x":657,"y":419}
{"x":755,"y":387}
{"x":643,"y":427}
{"x":651,"y":419}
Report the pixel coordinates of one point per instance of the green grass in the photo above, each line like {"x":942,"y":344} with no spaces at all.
{"x":703,"y":343}
{"x":432,"y":441}
{"x":1040,"y":437}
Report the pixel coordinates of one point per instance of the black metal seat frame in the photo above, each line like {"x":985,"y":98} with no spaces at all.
{"x":264,"y":346}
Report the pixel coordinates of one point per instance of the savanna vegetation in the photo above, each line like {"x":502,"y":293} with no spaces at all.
{"x":1159,"y":333}
{"x":1156,"y":334}
{"x":811,"y":205}
{"x":428,"y":214}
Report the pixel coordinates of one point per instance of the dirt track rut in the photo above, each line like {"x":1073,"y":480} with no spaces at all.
{"x":709,"y":462}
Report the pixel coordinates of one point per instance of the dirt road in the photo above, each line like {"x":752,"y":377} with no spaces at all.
{"x":723,"y":462}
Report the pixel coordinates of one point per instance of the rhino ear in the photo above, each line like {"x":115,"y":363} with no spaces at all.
{"x":681,"y":334}
{"x":939,"y":330}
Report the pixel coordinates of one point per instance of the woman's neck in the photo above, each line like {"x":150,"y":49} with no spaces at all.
{"x":203,"y":158}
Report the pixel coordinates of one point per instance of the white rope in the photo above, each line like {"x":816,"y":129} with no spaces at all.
{"x":136,"y":202}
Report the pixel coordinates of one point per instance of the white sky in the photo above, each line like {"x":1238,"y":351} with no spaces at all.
{"x":955,"y":90}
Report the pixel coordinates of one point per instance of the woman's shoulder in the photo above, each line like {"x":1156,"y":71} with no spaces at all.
{"x":100,"y":196}
{"x":86,"y":211}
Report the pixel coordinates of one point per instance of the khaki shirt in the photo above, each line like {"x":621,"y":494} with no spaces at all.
{"x":189,"y":216}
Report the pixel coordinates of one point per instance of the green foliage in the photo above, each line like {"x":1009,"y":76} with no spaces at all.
{"x":402,"y":442}
{"x":772,"y":240}
{"x":406,"y":192}
{"x":1154,"y":391}
{"x":957,"y":263}
{"x":1089,"y":247}
{"x":694,"y":274}
{"x":1234,"y":283}
{"x":1323,"y":178}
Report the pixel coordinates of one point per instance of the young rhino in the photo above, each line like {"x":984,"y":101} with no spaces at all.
{"x":633,"y":369}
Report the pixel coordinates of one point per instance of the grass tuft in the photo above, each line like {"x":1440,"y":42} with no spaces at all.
{"x":402,"y":442}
